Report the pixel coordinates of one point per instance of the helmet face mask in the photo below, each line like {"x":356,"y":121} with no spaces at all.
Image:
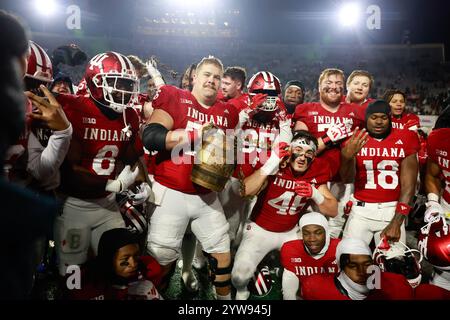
{"x":112,"y":81}
{"x":117,"y":91}
{"x":397,"y":260}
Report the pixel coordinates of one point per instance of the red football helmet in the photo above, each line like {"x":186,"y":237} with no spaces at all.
{"x":135,"y":216}
{"x":261,"y":283}
{"x":39,"y":65}
{"x":399,"y":260}
{"x":434,"y":243}
{"x":111,"y":78}
{"x":265,"y":82}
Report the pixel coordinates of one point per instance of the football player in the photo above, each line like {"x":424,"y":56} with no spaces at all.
{"x":35,"y":160}
{"x":233,"y":83}
{"x":331,"y":120}
{"x":62,"y":84}
{"x":177,"y":120}
{"x":262,"y":123}
{"x":119,"y":272}
{"x":355,"y":281}
{"x":315,"y":253}
{"x":39,"y":71}
{"x":187,"y":78}
{"x":294,"y":92}
{"x":105,"y":132}
{"x":358,"y":85}
{"x":383,"y":164}
{"x":401,"y":119}
{"x":438,"y":166}
{"x":283,"y":196}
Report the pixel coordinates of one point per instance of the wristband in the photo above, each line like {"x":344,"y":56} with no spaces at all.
{"x":154,"y":137}
{"x":271,"y":166}
{"x":326,"y":140}
{"x":403,"y":208}
{"x":317,"y":197}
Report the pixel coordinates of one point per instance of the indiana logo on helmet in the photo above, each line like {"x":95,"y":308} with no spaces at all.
{"x":261,"y":283}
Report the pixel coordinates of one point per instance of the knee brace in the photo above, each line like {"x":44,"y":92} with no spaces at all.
{"x":215,"y":270}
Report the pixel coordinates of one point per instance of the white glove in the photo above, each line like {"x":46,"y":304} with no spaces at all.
{"x":285,"y":131}
{"x":433,"y":209}
{"x":143,"y":193}
{"x":154,"y":73}
{"x":125,"y":179}
{"x":244,"y":116}
{"x":338,"y":132}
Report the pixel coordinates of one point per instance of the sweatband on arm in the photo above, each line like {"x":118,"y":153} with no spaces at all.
{"x":154,"y":137}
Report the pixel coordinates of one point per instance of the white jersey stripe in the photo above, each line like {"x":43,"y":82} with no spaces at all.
{"x":38,"y":55}
{"x":123,"y":64}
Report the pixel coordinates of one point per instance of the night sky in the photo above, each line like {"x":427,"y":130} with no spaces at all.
{"x":282,"y":21}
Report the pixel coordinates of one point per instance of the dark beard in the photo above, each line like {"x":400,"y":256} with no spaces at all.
{"x":290,"y":108}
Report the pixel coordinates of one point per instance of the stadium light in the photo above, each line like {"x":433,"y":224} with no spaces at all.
{"x":194,"y":4}
{"x":349,"y":14}
{"x":45,"y":7}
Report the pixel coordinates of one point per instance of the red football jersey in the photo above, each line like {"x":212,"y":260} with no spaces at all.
{"x":102,"y":140}
{"x":258,"y":140}
{"x":82,"y":88}
{"x":360,"y":107}
{"x":393,"y":286}
{"x":439,"y":152}
{"x":240,"y":102}
{"x":319,"y":120}
{"x":321,"y":287}
{"x":378,"y":166}
{"x":296,"y":259}
{"x":278,"y":207}
{"x":431,"y":292}
{"x":189,"y":115}
{"x":365,"y":104}
{"x":399,"y":123}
